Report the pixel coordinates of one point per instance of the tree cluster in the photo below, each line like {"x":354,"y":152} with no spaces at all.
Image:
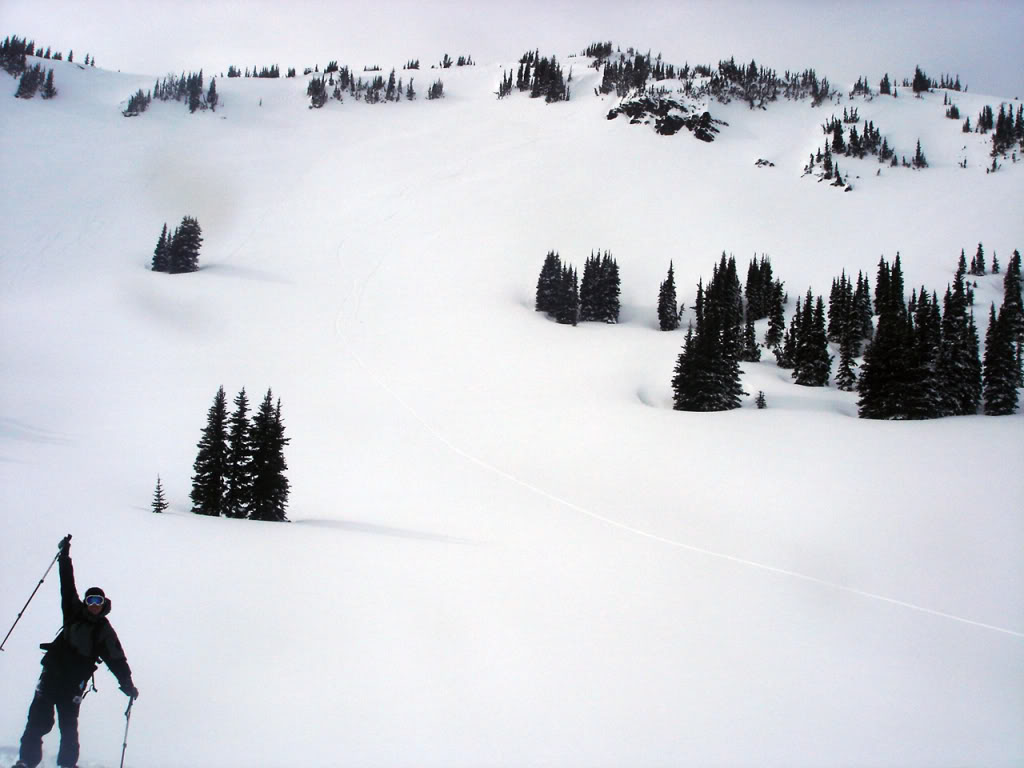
{"x":178,"y":252}
{"x":187,"y":88}
{"x":542,"y":76}
{"x":923,"y":361}
{"x":562,"y":295}
{"x":239,"y":470}
{"x":338,"y":81}
{"x":1007,"y":131}
{"x":600,"y":287}
{"x":32,"y":81}
{"x":804,"y":346}
{"x":447,"y":62}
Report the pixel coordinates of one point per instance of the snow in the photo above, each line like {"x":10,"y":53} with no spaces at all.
{"x":506,"y":548}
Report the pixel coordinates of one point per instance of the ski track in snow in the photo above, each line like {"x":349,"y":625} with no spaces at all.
{"x":359,"y":290}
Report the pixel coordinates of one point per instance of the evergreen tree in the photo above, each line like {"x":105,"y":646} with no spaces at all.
{"x":978,"y":262}
{"x":49,"y":91}
{"x":846,"y":379}
{"x":609,"y":289}
{"x":707,"y":372}
{"x":183,"y":251}
{"x":29,"y":83}
{"x":776,"y":316}
{"x":668,"y":307}
{"x":211,"y":96}
{"x":161,"y":254}
{"x":159,"y":500}
{"x":270,"y":486}
{"x":238,"y":496}
{"x":590,"y":298}
{"x":567,"y":311}
{"x":210,"y":467}
{"x":812,"y":363}
{"x":751,"y":350}
{"x":1013,"y":304}
{"x":959,"y":363}
{"x":1001,"y":372}
{"x":548,"y":284}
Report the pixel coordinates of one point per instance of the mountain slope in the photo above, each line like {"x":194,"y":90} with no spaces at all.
{"x":507,"y":549}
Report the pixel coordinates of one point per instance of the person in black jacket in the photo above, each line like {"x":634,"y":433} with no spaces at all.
{"x":70,"y":660}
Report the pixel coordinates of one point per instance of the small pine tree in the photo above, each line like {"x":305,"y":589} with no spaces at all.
{"x":668,"y":307}
{"x":211,"y":96}
{"x":49,"y":91}
{"x":161,"y":254}
{"x":761,"y":402}
{"x":160,"y":504}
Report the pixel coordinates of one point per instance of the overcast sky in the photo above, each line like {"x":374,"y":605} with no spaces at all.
{"x":980,"y":41}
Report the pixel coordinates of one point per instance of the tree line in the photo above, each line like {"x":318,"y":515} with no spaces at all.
{"x":14,"y":53}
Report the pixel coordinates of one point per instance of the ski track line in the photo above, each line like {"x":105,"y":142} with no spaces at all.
{"x":622,"y":526}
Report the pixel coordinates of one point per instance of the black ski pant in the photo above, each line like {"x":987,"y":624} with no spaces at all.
{"x":52,"y":693}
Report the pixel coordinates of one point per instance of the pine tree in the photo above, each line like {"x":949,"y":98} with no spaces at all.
{"x":161,"y":254}
{"x":609,"y":289}
{"x":270,"y":486}
{"x":49,"y":91}
{"x":238,"y":495}
{"x":707,"y":372}
{"x":812,"y":363}
{"x":846,"y":379}
{"x":668,"y":307}
{"x":1001,"y":373}
{"x":590,"y":298}
{"x":210,"y":467}
{"x":183,"y":251}
{"x":567,"y":310}
{"x":959,"y":363}
{"x":776,"y":317}
{"x":751,"y":350}
{"x":160,"y":504}
{"x":29,"y":83}
{"x":211,"y":96}
{"x":548,"y":284}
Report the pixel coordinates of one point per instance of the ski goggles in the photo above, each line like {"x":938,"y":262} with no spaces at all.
{"x":94,"y":600}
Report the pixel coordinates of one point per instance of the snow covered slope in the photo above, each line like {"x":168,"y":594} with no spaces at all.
{"x":507,"y":549}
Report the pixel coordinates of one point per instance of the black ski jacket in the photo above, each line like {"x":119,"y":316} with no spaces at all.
{"x":84,"y":640}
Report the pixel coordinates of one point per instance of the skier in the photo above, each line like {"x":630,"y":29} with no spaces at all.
{"x":70,"y":660}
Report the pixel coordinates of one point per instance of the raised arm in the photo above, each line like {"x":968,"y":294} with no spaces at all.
{"x":70,"y":603}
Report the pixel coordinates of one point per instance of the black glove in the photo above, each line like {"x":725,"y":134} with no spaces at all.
{"x":130,"y":691}
{"x":64,"y":547}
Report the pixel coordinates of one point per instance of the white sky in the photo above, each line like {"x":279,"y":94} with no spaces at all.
{"x":842,"y":40}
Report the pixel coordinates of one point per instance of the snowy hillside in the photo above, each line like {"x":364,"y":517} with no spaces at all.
{"x":506,"y":548}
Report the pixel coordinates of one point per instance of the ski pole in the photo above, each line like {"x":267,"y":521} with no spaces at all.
{"x":127,"y":721}
{"x":21,"y":613}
